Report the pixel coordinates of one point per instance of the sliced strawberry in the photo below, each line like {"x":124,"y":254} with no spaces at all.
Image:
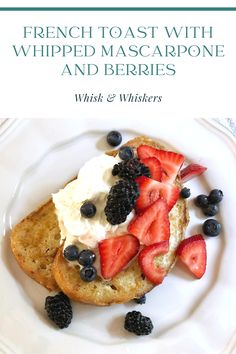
{"x":115,"y":254}
{"x":152,"y":225}
{"x":150,"y":190}
{"x":192,"y":252}
{"x":170,"y":193}
{"x":147,"y":263}
{"x":191,"y":171}
{"x":170,"y":161}
{"x":154,"y":166}
{"x":145,"y":151}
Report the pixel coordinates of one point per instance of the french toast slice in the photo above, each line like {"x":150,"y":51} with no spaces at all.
{"x":35,"y":243}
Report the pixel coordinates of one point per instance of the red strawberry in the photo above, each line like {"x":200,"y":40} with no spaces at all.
{"x":146,"y":261}
{"x":150,"y":190}
{"x":191,"y":171}
{"x":170,"y":161}
{"x":170,"y":193}
{"x":154,"y":166}
{"x":152,"y":225}
{"x":115,"y":254}
{"x":192,"y":252}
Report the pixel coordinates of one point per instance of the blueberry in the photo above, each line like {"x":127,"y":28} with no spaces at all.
{"x":88,"y":210}
{"x":86,"y":258}
{"x":201,"y":201}
{"x":185,"y":193}
{"x":71,"y":253}
{"x":211,"y":227}
{"x":210,"y":210}
{"x":114,"y":138}
{"x":126,"y":153}
{"x":141,"y":300}
{"x":88,"y":273}
{"x":215,"y":196}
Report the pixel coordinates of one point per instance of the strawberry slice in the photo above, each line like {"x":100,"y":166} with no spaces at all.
{"x":146,"y":261}
{"x":150,"y":190}
{"x":154,"y":166}
{"x":170,"y":193}
{"x":115,"y":253}
{"x":152,"y":225}
{"x":191,"y":171}
{"x":192,"y":252}
{"x":170,"y":161}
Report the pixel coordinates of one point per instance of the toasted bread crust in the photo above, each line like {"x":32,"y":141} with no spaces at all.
{"x":127,"y":285}
{"x":35,"y":244}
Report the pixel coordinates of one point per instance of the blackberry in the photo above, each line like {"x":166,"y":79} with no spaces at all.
{"x":136,"y":323}
{"x":120,"y":201}
{"x":131,"y":169}
{"x":140,"y":300}
{"x":59,"y":309}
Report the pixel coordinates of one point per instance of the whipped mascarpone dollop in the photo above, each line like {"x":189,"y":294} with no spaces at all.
{"x":93,"y":183}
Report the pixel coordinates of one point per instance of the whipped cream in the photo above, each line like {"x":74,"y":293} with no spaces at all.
{"x":93,"y":183}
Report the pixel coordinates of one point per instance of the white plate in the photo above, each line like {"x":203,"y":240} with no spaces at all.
{"x":190,"y":316}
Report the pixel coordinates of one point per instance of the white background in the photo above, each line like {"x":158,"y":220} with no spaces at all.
{"x":202,"y":87}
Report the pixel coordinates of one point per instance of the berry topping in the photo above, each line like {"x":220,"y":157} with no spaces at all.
{"x":210,"y":210}
{"x":211,"y":227}
{"x":120,"y":201}
{"x":140,"y":300}
{"x":126,"y":153}
{"x":201,"y":201}
{"x":86,"y":258}
{"x":115,"y":254}
{"x":170,"y":193}
{"x":215,"y":196}
{"x":88,"y":210}
{"x":170,"y":161}
{"x":147,"y":264}
{"x":154,"y":166}
{"x":149,"y":192}
{"x":130,"y":169}
{"x":114,"y":138}
{"x":59,"y":309}
{"x":192,"y":252}
{"x":185,"y":193}
{"x":138,"y":324}
{"x":152,"y":225}
{"x":191,"y":171}
{"x":150,"y":189}
{"x":88,"y":273}
{"x":71,"y":253}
